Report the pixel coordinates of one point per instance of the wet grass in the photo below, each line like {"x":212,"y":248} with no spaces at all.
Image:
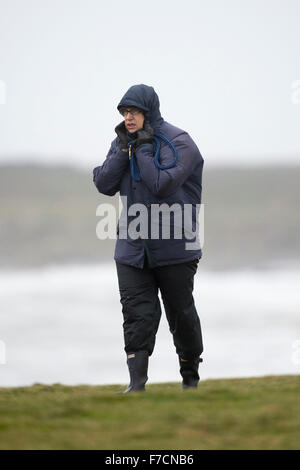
{"x":254,"y":413}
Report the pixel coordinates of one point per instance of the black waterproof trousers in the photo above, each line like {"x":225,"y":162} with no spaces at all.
{"x":142,"y":311}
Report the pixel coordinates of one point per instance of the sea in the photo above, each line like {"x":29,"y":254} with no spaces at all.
{"x":63,"y":324}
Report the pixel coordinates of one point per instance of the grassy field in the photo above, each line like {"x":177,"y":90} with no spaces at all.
{"x":251,"y":413}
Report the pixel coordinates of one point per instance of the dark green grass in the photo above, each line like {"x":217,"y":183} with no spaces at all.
{"x":251,"y":413}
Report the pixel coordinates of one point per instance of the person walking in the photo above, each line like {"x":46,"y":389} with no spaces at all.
{"x":153,"y":165}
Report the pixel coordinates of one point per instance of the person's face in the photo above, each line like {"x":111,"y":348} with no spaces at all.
{"x":134,"y":118}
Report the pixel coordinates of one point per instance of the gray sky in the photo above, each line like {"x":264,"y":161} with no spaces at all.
{"x":223,"y":71}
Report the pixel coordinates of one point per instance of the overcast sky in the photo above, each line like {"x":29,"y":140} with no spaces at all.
{"x":224,"y":72}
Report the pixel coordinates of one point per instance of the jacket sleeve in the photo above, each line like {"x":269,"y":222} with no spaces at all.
{"x":162,"y":183}
{"x":107,"y":177}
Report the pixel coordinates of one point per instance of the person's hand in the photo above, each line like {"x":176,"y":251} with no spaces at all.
{"x":144,"y":136}
{"x":120,"y":130}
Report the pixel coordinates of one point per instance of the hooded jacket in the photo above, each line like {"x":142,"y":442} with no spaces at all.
{"x":174,"y":189}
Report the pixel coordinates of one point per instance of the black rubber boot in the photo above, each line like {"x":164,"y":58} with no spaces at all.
{"x":138,"y":368}
{"x":189,"y":372}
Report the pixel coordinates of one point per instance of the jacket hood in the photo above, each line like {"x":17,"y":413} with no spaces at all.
{"x":145,"y":98}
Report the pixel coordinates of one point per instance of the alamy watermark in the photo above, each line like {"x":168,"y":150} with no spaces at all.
{"x":2,"y":92}
{"x":2,"y":352}
{"x":296,"y":353}
{"x":153,"y":221}
{"x":295,"y":92}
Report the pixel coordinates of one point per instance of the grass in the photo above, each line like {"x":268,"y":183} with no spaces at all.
{"x":250,"y":413}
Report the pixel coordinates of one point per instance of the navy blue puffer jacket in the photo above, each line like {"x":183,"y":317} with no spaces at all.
{"x":176,"y":186}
